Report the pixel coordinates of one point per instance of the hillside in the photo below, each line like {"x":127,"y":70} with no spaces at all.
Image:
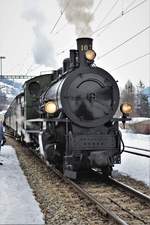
{"x":8,"y":90}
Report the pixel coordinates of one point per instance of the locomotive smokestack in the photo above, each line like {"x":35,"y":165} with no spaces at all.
{"x":83,"y":44}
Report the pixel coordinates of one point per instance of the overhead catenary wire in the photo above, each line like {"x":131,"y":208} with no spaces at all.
{"x":108,"y":13}
{"x":97,"y":6}
{"x":61,"y":14}
{"x":116,"y":18}
{"x":59,"y":53}
{"x":118,"y":46}
{"x":131,"y":61}
{"x":29,"y":68}
{"x":130,"y":4}
{"x":102,"y":28}
{"x":94,"y":11}
{"x":35,"y":68}
{"x":32,"y":68}
{"x":62,"y":28}
{"x":122,"y":1}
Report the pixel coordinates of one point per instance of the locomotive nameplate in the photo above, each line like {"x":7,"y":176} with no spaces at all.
{"x":93,"y":142}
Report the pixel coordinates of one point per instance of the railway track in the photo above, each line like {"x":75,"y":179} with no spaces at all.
{"x":115,"y":200}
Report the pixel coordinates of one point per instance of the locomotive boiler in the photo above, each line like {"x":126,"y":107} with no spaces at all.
{"x":69,"y":114}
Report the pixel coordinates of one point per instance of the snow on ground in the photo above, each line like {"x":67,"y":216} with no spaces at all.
{"x":135,"y":166}
{"x":17,"y":203}
{"x":2,"y":112}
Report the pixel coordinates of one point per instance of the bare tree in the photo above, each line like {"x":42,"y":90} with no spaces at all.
{"x":128,"y":95}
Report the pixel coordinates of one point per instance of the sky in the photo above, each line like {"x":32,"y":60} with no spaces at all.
{"x":33,"y":43}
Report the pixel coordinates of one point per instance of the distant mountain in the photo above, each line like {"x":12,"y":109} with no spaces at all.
{"x":12,"y":83}
{"x":8,"y":90}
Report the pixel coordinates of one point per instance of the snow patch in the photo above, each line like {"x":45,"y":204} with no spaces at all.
{"x":2,"y":112}
{"x":17,"y":203}
{"x":137,"y":167}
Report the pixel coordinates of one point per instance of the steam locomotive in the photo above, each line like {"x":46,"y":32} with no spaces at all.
{"x":68,"y":116}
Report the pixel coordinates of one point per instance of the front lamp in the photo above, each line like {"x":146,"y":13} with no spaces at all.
{"x":126,"y":108}
{"x":90,"y":55}
{"x":50,"y":107}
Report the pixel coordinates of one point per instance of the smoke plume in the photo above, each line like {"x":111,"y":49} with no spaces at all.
{"x":43,"y":52}
{"x":78,"y":13}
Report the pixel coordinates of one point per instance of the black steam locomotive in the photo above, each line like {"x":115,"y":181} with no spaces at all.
{"x":68,"y":115}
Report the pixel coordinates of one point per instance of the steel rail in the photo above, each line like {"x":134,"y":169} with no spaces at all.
{"x":141,"y":149}
{"x":136,"y":153}
{"x":8,"y":134}
{"x":88,"y":196}
{"x":130,"y":189}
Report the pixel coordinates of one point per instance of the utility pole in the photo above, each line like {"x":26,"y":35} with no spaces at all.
{"x":1,"y":58}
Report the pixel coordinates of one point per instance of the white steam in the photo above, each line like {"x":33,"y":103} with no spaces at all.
{"x":78,"y":13}
{"x":43,"y":52}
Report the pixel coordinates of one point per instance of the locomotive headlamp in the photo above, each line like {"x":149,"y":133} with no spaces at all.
{"x":90,"y":55}
{"x":50,"y":107}
{"x":126,"y":108}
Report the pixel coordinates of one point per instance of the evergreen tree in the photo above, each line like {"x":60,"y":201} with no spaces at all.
{"x":142,"y":106}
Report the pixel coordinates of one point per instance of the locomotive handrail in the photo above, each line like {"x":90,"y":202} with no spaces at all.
{"x":47,"y":120}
